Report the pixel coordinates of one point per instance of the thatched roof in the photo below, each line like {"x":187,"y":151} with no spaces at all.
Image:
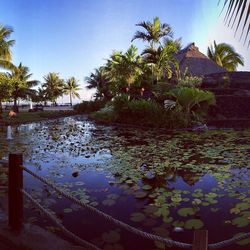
{"x":197,"y":63}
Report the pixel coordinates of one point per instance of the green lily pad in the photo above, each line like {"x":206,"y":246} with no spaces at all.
{"x":108,"y":202}
{"x":137,"y":217}
{"x":140,"y":194}
{"x":240,"y":222}
{"x":111,"y":237}
{"x":146,"y":187}
{"x":193,"y":224}
{"x":242,"y":242}
{"x":186,"y":211}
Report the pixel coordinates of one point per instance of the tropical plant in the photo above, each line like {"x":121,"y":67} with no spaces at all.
{"x":99,"y":80}
{"x":162,"y":60}
{"x":71,"y":88}
{"x":53,"y":87}
{"x":21,"y":85}
{"x":225,"y":56}
{"x":124,"y":68}
{"x":5,"y":88}
{"x":238,"y":14}
{"x":153,"y":32}
{"x":193,"y":101}
{"x":5,"y":44}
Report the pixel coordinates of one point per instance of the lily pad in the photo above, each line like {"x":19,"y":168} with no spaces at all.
{"x":240,"y":222}
{"x":186,"y":211}
{"x":137,"y":217}
{"x":194,"y":224}
{"x":140,"y":194}
{"x":111,"y":237}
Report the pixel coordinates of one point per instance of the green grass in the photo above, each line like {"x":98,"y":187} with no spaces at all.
{"x":27,"y":117}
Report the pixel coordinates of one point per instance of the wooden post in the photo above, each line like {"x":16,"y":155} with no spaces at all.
{"x":15,"y":194}
{"x":200,"y":240}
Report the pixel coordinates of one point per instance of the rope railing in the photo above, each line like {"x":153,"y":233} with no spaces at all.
{"x":57,"y":222}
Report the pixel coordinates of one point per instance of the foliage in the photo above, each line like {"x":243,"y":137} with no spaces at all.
{"x":89,"y":106}
{"x":53,"y":86}
{"x":21,"y":85}
{"x":99,"y":80}
{"x":190,"y":81}
{"x":225,"y":56}
{"x":71,"y":87}
{"x":5,"y":44}
{"x":193,"y":101}
{"x":238,"y":10}
{"x":5,"y":88}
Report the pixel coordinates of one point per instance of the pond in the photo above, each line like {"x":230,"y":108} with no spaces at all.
{"x":164,"y":183}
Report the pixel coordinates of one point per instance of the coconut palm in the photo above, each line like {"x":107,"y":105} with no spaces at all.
{"x":71,"y":88}
{"x":99,"y":80}
{"x":153,"y":32}
{"x":53,"y":87}
{"x":5,"y":44}
{"x":21,"y":85}
{"x":238,"y":14}
{"x":225,"y":56}
{"x":162,"y":60}
{"x":124,"y":68}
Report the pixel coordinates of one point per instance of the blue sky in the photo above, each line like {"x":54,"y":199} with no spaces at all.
{"x":72,"y":37}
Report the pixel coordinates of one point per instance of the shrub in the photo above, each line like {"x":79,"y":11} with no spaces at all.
{"x":89,"y":106}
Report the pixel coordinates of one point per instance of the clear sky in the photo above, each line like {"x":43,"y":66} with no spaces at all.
{"x":72,"y":37}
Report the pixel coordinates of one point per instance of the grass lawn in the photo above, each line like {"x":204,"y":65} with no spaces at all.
{"x":26,"y":117}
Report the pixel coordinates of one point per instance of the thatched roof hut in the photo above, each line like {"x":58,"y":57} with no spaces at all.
{"x":197,"y":63}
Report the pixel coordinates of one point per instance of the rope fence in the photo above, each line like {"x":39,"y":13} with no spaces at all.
{"x":16,"y":169}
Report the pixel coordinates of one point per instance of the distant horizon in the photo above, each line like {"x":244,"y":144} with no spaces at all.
{"x":74,"y":37}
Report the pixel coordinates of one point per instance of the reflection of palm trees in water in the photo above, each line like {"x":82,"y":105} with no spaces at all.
{"x":170,"y":176}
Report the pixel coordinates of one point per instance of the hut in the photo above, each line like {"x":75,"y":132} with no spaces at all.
{"x":197,"y":63}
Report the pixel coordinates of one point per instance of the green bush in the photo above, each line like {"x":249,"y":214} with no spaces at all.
{"x":89,"y":106}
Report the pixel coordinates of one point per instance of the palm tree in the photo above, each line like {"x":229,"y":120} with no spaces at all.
{"x":5,"y":44}
{"x":71,"y":88}
{"x":53,"y":87}
{"x":162,"y":60}
{"x":21,"y":85}
{"x":124,"y":68}
{"x":238,"y":13}
{"x":5,"y":88}
{"x":99,"y":80}
{"x":225,"y":56}
{"x":153,"y":31}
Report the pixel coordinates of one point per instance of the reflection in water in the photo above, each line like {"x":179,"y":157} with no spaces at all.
{"x":9,"y":133}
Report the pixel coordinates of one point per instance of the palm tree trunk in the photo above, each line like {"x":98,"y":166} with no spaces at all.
{"x":15,"y":107}
{"x":70,"y":96}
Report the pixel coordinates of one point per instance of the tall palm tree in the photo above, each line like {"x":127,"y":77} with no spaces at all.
{"x":71,"y":88}
{"x":5,"y":88}
{"x":238,"y":14}
{"x":53,"y":87}
{"x":225,"y":56}
{"x":5,"y":44}
{"x":153,"y":32}
{"x":21,"y":85}
{"x":99,"y":80}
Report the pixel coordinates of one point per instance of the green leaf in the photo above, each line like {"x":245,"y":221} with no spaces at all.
{"x":240,"y":222}
{"x":194,"y":224}
{"x":186,"y":211}
{"x":137,"y":217}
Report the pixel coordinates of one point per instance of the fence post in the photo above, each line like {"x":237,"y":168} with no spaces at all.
{"x":200,"y":240}
{"x":15,"y":194}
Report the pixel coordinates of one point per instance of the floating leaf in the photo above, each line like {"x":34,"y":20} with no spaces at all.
{"x":111,"y":237}
{"x":137,"y":217}
{"x":240,"y":222}
{"x":194,"y":224}
{"x":140,"y":194}
{"x":108,"y":202}
{"x":186,"y":211}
